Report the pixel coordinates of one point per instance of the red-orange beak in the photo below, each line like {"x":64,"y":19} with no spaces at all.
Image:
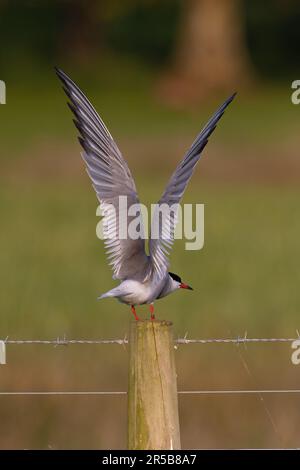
{"x":185,"y":286}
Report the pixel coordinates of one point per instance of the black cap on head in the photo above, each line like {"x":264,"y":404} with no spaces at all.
{"x":175,"y":277}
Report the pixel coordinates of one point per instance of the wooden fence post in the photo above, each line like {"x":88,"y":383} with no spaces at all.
{"x":153,"y":421}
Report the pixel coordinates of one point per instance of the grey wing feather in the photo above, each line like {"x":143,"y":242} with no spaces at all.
{"x":164,"y":227}
{"x":111,"y":178}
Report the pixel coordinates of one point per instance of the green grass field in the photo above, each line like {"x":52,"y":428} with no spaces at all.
{"x":53,"y":267}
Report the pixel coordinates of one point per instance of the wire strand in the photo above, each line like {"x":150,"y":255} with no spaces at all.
{"x":63,"y":341}
{"x":181,"y":392}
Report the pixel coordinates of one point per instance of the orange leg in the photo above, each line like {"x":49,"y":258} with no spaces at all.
{"x":134,"y":312}
{"x":151,"y":308}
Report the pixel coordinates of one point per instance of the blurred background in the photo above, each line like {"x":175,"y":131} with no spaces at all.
{"x":155,"y":71}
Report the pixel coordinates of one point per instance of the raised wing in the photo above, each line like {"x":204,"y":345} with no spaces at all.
{"x":164,"y":222}
{"x":111,"y":178}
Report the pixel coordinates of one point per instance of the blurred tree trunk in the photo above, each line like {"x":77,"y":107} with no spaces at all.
{"x":211,"y":53}
{"x":81,"y":37}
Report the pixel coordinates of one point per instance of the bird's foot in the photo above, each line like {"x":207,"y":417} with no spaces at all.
{"x":151,"y":308}
{"x":134,"y":313}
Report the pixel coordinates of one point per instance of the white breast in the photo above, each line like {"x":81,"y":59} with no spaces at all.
{"x":137,"y":293}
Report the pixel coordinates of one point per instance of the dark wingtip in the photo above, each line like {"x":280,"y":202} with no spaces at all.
{"x":62,"y":75}
{"x":231,"y":98}
{"x":226,"y":103}
{"x":58,"y":71}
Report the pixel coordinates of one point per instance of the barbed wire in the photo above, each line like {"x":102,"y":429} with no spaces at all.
{"x":63,"y":341}
{"x":237,"y":340}
{"x":180,"y":392}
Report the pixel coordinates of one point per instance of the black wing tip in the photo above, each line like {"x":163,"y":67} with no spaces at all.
{"x":59,"y":72}
{"x":231,"y":98}
{"x":65,"y":79}
{"x":219,"y":113}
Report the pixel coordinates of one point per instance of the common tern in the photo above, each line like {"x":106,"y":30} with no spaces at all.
{"x":143,"y":278}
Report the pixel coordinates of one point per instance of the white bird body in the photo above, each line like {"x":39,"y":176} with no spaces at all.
{"x":133,"y":292}
{"x":143,"y":279}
